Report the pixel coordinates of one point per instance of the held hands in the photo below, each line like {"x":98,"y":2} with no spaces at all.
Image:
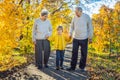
{"x":70,"y":36}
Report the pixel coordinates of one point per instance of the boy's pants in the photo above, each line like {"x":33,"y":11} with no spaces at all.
{"x":59,"y":58}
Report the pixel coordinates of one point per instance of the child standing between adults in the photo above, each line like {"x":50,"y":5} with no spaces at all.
{"x":60,"y":39}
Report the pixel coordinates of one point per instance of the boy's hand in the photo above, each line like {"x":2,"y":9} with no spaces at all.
{"x":70,"y":36}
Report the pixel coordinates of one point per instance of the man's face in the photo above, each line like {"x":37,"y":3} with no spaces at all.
{"x":78,"y":13}
{"x":44,"y":17}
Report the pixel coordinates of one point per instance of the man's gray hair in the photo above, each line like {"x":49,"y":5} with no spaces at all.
{"x":44,"y":12}
{"x":79,"y":8}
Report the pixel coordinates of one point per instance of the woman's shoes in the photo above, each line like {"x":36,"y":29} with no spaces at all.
{"x":46,"y":66}
{"x":39,"y":67}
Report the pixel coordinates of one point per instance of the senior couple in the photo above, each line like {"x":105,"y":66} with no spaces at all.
{"x":81,"y":25}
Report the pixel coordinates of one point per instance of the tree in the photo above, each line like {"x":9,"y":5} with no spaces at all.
{"x":107,"y":28}
{"x":10,"y":24}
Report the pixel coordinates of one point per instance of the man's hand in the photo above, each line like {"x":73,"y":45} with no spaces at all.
{"x":90,"y":41}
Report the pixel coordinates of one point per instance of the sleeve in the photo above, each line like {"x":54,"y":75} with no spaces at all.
{"x":90,"y":28}
{"x":72,"y":27}
{"x":34,"y":31}
{"x":67,"y":39}
{"x":50,"y":29}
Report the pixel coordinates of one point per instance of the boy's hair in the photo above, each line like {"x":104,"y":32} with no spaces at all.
{"x":60,"y":27}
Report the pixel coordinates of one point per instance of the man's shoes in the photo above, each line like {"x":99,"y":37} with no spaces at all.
{"x":83,"y":70}
{"x":70,"y":69}
{"x":57,"y":68}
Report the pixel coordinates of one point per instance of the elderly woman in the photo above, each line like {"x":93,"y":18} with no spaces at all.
{"x":42,"y":30}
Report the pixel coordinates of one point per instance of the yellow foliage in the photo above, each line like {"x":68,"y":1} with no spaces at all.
{"x":107,"y":28}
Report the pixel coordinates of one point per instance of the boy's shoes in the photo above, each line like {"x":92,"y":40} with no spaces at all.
{"x":57,"y":68}
{"x":70,"y":69}
{"x":62,"y":68}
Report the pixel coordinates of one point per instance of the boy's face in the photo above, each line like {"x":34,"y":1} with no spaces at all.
{"x":59,"y":31}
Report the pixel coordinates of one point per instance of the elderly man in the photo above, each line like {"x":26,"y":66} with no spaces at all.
{"x":42,"y":29}
{"x":83,"y":32}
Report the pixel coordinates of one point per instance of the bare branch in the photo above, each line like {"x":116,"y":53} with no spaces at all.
{"x":57,"y":9}
{"x":16,"y":7}
{"x":62,"y":4}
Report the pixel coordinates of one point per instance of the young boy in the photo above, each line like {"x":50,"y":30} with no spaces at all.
{"x":60,"y":40}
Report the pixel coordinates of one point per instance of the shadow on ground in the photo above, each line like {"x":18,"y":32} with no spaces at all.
{"x":63,"y":74}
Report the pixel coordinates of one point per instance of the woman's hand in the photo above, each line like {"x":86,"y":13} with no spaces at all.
{"x":90,"y":41}
{"x":46,"y":36}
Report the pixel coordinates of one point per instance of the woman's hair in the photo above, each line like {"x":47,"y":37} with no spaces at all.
{"x":60,"y":27}
{"x":44,"y":12}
